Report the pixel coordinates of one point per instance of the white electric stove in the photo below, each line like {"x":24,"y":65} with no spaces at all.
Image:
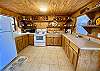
{"x":40,"y":37}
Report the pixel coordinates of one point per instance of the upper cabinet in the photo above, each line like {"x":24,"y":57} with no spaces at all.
{"x":93,"y":10}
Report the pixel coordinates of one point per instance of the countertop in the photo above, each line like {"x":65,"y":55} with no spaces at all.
{"x":83,"y":43}
{"x":15,"y":34}
{"x":53,"y":34}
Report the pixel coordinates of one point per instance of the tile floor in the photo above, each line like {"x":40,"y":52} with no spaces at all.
{"x":48,"y":58}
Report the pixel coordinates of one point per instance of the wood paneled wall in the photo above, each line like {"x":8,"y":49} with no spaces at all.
{"x":41,"y":25}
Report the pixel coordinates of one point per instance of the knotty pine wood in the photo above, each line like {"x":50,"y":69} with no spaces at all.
{"x":25,"y":41}
{"x":55,"y":7}
{"x":49,"y":41}
{"x":4,"y":11}
{"x":57,"y":41}
{"x":21,"y":42}
{"x":19,"y":45}
{"x":41,"y":25}
{"x":31,"y":39}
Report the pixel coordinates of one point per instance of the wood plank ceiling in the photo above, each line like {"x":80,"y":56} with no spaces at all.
{"x":54,"y":7}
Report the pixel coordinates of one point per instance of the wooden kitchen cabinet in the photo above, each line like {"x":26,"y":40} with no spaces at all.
{"x":19,"y":45}
{"x":66,"y":45}
{"x":21,"y":42}
{"x":25,"y":41}
{"x":71,"y":50}
{"x":63,"y":42}
{"x":75,"y":59}
{"x":57,"y":41}
{"x":31,"y":39}
{"x":66,"y":48}
{"x":49,"y":41}
{"x":71,"y":54}
{"x":53,"y":40}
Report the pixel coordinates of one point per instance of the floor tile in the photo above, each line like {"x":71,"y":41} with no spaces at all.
{"x":44,"y":67}
{"x":49,"y":58}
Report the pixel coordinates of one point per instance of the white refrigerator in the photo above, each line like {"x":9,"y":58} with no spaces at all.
{"x":7,"y":42}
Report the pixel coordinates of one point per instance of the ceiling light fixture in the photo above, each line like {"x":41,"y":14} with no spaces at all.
{"x":43,"y":9}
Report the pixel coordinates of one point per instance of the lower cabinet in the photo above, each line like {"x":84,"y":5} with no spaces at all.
{"x":22,"y":42}
{"x":63,"y":41}
{"x":75,"y":59}
{"x":71,"y":51}
{"x":25,"y":41}
{"x":49,"y":41}
{"x":53,"y":41}
{"x":19,"y":44}
{"x":57,"y":41}
{"x":31,"y":39}
{"x":71,"y":54}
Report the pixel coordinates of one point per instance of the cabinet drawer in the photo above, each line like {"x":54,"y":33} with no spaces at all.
{"x":74,"y":47}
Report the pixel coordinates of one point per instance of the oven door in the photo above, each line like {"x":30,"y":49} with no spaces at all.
{"x":39,"y":38}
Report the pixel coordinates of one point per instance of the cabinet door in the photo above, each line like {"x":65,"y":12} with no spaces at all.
{"x":26,"y":39}
{"x":19,"y":44}
{"x":5,"y":23}
{"x":75,"y":57}
{"x":57,"y":41}
{"x":69,"y":51}
{"x":24,"y":43}
{"x":49,"y":41}
{"x":31,"y":40}
{"x":71,"y":55}
{"x":66,"y":48}
{"x":63,"y":41}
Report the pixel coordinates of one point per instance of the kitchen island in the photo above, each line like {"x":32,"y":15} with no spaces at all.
{"x":84,"y":54}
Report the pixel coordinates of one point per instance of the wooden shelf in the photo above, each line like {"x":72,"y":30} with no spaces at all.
{"x":89,"y":28}
{"x":92,"y":26}
{"x":53,"y":27}
{"x":48,"y":20}
{"x":42,"y":20}
{"x":95,"y":9}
